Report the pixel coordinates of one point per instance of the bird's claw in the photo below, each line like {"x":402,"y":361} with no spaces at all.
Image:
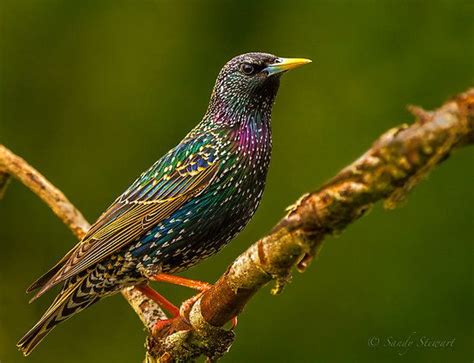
{"x":162,"y":326}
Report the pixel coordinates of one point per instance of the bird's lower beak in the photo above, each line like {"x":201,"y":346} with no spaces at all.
{"x":285,"y":64}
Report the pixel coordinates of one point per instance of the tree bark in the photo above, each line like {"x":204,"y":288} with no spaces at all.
{"x":395,"y":163}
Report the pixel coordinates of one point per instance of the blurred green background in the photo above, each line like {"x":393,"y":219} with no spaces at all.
{"x":93,"y":92}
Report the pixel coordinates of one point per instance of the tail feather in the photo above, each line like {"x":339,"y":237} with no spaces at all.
{"x":45,"y":278}
{"x":69,"y":302}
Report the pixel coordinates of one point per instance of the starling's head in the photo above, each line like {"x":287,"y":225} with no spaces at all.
{"x":250,"y":81}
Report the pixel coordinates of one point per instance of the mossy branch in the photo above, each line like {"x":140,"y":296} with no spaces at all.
{"x":395,"y":163}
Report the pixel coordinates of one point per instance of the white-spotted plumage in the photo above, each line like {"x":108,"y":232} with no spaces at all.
{"x":186,"y":207}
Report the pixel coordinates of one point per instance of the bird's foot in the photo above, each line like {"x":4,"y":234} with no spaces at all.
{"x":188,"y":304}
{"x":175,"y":312}
{"x":179,"y":320}
{"x":169,"y":326}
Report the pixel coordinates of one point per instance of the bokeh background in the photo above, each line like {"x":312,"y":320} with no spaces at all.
{"x":93,"y":92}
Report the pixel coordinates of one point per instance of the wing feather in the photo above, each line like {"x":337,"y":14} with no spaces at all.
{"x":135,"y":212}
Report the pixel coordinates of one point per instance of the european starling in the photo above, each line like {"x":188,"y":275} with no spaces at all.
{"x":185,"y":207}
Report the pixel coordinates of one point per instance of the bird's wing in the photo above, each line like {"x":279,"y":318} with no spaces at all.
{"x":154,"y":196}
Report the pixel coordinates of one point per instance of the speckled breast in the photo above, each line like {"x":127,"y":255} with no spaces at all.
{"x":205,"y":224}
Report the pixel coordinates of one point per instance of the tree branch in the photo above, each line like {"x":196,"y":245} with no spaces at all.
{"x":395,"y":163}
{"x":13,"y":165}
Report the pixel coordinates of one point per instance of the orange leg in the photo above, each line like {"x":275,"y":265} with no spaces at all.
{"x":163,"y":302}
{"x":181,"y":281}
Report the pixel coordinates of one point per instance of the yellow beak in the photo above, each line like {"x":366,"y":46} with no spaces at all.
{"x":285,"y":64}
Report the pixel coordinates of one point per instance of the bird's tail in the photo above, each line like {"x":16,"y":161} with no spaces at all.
{"x":69,"y":301}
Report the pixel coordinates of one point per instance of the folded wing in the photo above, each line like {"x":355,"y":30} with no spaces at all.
{"x":156,"y":195}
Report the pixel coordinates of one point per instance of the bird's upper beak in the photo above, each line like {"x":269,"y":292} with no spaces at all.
{"x":285,"y":64}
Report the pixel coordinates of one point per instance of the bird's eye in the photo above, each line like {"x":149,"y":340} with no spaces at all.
{"x":247,"y":69}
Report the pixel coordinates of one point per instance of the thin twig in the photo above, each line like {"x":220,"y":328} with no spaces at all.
{"x":17,"y":167}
